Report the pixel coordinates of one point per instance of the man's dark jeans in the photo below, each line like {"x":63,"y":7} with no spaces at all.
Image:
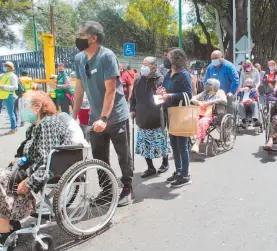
{"x":100,"y":145}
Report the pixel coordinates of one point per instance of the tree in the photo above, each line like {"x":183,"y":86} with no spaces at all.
{"x":263,"y":29}
{"x":156,"y":15}
{"x":202,"y":19}
{"x":12,"y":12}
{"x":66,"y":24}
{"x":89,"y":9}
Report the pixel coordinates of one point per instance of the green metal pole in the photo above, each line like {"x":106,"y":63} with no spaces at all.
{"x":180,"y":25}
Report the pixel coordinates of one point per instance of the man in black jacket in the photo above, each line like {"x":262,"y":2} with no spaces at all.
{"x":151,"y":137}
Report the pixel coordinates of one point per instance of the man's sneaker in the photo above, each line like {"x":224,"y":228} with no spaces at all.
{"x":181,"y":181}
{"x":126,"y":197}
{"x":163,"y":168}
{"x":149,"y":172}
{"x":172,"y":178}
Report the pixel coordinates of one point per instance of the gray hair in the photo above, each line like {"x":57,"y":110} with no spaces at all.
{"x":152,"y":60}
{"x":214,"y":83}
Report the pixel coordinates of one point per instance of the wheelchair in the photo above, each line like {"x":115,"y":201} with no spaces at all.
{"x":73,"y":197}
{"x":224,"y":124}
{"x":267,"y":118}
{"x":249,"y":120}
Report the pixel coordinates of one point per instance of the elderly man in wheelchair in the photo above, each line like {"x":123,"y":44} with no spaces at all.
{"x":209,"y":99}
{"x":248,"y":105}
{"x":47,"y":159}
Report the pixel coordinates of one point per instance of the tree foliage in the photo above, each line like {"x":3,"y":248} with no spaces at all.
{"x":263,"y":25}
{"x":66,"y":24}
{"x":158,"y":15}
{"x":11,"y":12}
{"x":152,"y":25}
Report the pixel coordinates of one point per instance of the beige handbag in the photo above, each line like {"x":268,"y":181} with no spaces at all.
{"x":183,"y":120}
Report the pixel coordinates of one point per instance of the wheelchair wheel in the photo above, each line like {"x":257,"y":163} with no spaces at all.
{"x":46,"y":239}
{"x":228,"y":132}
{"x":95,"y":204}
{"x":212,"y":148}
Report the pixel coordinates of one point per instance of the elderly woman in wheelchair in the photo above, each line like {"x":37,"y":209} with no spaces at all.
{"x":207,"y":100}
{"x":52,"y":178}
{"x":248,"y":105}
{"x":46,"y":132}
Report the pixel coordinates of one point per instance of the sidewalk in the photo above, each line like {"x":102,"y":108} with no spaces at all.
{"x":8,"y":143}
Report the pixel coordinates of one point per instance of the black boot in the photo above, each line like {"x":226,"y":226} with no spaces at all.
{"x":151,"y":169}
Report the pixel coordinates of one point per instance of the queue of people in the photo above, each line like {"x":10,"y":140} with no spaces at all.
{"x":102,"y":91}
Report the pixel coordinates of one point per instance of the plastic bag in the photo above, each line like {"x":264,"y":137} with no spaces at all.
{"x":77,"y":135}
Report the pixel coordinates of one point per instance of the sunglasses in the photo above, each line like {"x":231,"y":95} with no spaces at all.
{"x":88,"y":71}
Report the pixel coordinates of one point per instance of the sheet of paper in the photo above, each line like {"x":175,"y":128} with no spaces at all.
{"x":158,"y":99}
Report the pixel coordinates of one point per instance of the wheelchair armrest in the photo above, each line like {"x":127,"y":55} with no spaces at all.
{"x":69,"y":147}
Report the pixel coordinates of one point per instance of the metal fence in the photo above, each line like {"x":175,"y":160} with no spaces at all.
{"x":33,"y":62}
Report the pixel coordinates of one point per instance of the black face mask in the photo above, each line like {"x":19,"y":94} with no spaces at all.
{"x":167,"y":64}
{"x":81,"y":44}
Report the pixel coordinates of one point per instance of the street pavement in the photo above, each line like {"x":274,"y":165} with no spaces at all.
{"x":230,"y":206}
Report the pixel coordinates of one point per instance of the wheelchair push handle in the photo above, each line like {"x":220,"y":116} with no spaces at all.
{"x":89,"y":129}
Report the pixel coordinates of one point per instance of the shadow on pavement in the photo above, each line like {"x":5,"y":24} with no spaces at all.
{"x":62,"y":240}
{"x":154,"y":190}
{"x":249,"y":132}
{"x":197,"y":157}
{"x":265,"y":156}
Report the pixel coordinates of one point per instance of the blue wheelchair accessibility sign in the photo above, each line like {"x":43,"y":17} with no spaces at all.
{"x":129,"y":50}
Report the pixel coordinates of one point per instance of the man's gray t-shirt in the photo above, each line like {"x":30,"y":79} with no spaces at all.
{"x":103,"y":66}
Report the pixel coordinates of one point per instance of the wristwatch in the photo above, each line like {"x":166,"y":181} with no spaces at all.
{"x":104,"y":119}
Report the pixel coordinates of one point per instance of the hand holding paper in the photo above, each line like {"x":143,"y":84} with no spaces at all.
{"x":158,"y":99}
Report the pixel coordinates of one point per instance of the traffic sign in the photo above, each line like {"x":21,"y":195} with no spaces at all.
{"x":129,"y":50}
{"x":242,"y":44}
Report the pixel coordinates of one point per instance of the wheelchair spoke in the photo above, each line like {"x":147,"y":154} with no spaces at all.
{"x":93,"y":204}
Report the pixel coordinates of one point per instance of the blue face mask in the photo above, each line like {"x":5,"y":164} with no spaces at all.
{"x":5,"y":68}
{"x":216,"y":62}
{"x":29,"y":116}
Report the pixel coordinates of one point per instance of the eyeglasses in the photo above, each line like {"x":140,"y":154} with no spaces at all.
{"x":88,"y":71}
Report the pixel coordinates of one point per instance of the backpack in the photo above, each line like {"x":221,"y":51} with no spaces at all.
{"x":21,"y":90}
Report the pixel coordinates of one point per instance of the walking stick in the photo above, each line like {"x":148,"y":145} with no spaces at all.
{"x":133,"y":142}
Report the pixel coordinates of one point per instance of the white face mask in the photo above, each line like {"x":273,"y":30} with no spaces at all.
{"x":215,"y":62}
{"x":271,"y":68}
{"x":145,"y":70}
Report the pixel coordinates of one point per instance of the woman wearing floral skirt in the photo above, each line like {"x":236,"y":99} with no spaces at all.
{"x":151,"y":137}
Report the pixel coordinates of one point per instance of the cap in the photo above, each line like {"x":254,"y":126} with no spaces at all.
{"x":10,"y":64}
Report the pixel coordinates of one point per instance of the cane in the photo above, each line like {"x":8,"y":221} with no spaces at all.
{"x":133,"y":142}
